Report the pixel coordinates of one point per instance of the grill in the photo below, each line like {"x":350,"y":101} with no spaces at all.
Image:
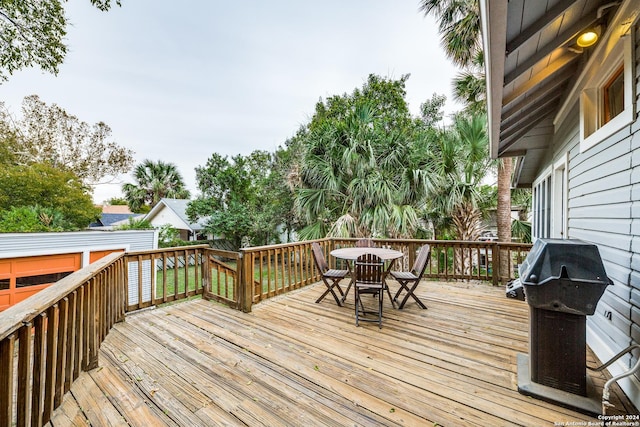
{"x":563,"y":280}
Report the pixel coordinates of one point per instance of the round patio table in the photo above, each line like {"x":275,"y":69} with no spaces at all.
{"x":352,"y":254}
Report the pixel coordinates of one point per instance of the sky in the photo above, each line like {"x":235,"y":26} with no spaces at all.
{"x":179,"y":81}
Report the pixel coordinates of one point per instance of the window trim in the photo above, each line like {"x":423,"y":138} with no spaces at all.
{"x":559,"y":207}
{"x":592,"y":102}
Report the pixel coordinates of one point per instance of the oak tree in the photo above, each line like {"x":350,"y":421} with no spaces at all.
{"x":32,"y":34}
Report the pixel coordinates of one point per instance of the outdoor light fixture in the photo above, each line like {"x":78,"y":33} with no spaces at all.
{"x":587,"y":38}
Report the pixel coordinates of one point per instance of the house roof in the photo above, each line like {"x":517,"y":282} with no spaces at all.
{"x":533,"y":67}
{"x":110,"y":219}
{"x":179,"y":207}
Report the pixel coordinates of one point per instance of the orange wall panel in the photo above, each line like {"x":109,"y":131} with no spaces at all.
{"x":31,"y":266}
{"x":94,"y":256}
{"x":26,"y":271}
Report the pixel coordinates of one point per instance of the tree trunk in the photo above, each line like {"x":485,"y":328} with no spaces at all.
{"x":505,"y":168}
{"x":467,"y":220}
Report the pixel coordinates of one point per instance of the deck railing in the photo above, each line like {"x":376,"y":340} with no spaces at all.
{"x":48,"y":339}
{"x":164,"y":275}
{"x":268,"y":271}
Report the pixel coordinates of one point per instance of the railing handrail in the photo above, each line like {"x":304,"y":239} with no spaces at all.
{"x":172,"y":249}
{"x":223,"y":252}
{"x":14,"y":317}
{"x":283,"y":245}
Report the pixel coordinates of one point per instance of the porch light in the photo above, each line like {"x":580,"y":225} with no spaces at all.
{"x":587,"y":38}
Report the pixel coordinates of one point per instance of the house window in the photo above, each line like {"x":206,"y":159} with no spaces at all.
{"x":542,"y":208}
{"x":606,"y":103}
{"x":613,"y":96}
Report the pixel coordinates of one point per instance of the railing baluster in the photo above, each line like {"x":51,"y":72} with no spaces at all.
{"x":61,"y":351}
{"x":86,"y":315}
{"x":78,"y":337}
{"x":71,"y":340}
{"x":94,"y":319}
{"x":164,"y":276}
{"x":51,"y":358}
{"x":39,"y":367}
{"x":7,"y":349}
{"x":25,"y":347}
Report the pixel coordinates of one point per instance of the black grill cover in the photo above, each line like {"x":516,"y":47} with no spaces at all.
{"x":564,"y":275}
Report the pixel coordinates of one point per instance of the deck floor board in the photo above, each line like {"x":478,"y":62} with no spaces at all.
{"x":292,"y":362}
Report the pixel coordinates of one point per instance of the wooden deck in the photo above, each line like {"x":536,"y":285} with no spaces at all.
{"x":292,"y":362}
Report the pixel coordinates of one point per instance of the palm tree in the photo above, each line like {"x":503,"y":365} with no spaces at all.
{"x":357,"y":179}
{"x":460,"y":161}
{"x":154,"y":181}
{"x":470,"y":86}
{"x":459,"y":25}
{"x":459,"y":158}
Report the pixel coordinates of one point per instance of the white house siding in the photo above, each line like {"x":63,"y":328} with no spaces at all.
{"x":16,"y":245}
{"x":604,"y":208}
{"x":167,"y":216}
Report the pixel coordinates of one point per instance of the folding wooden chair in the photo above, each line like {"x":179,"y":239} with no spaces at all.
{"x":413,"y":277}
{"x":369,"y":279}
{"x":330,"y":277}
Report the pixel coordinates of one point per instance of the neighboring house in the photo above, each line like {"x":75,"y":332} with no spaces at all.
{"x":30,"y":262}
{"x":569,"y":115}
{"x":173,"y":213}
{"x":113,"y":215}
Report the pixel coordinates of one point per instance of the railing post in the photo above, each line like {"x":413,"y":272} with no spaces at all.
{"x":245,"y":279}
{"x":206,"y":275}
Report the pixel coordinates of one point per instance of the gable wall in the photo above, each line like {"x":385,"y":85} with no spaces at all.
{"x":604,"y":208}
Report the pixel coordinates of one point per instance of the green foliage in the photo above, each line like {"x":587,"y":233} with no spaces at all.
{"x":470,"y":88}
{"x":459,"y":26}
{"x":361,"y":171}
{"x":136,"y":224}
{"x":33,"y":32}
{"x":431,"y":110}
{"x":154,"y":181}
{"x":32,"y":219}
{"x":117,"y":201}
{"x":521,"y":230}
{"x":48,"y":134}
{"x":48,"y":187}
{"x":521,"y":198}
{"x":459,"y":160}
{"x":243,"y":198}
{"x":168,"y":236}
